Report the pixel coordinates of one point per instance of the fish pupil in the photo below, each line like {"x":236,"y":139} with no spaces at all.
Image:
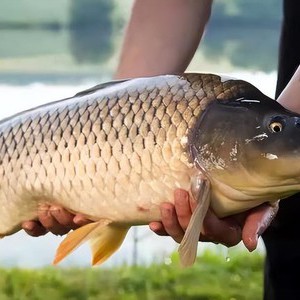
{"x":277,"y":128}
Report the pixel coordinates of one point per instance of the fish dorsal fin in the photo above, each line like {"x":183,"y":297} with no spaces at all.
{"x":99,"y":87}
{"x":188,"y":246}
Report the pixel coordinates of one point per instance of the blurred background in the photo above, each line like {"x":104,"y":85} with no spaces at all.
{"x":51,"y":49}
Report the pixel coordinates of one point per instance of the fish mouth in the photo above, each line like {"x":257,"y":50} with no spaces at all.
{"x":247,"y":185}
{"x":233,"y":194}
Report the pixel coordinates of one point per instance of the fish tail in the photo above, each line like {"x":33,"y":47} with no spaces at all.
{"x":104,"y":237}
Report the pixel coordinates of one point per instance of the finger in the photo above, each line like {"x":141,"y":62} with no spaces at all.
{"x":80,"y":220}
{"x":49,"y":222}
{"x":158,"y":228}
{"x":256,"y":222}
{"x":170,"y":222}
{"x":34,"y":228}
{"x":182,"y":207}
{"x":225,"y":231}
{"x":63,"y":217}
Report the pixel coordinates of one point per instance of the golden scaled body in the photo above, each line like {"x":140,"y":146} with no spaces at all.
{"x":113,"y":153}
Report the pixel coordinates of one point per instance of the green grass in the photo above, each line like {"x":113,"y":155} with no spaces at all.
{"x":211,"y":278}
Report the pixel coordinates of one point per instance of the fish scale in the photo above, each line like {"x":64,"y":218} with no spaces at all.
{"x":167,"y":118}
{"x":114,"y":152}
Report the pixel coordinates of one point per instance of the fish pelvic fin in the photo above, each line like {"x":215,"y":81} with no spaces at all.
{"x":77,"y":237}
{"x":107,"y":242}
{"x":188,"y":246}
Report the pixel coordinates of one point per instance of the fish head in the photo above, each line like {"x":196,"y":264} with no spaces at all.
{"x":250,"y":148}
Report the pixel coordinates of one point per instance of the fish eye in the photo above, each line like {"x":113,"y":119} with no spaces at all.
{"x":276,"y":126}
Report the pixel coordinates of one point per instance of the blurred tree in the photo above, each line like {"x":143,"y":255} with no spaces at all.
{"x":249,"y":33}
{"x":247,"y":48}
{"x":247,"y":12}
{"x":91,"y":30}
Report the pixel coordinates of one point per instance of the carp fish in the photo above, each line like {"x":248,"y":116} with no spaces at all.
{"x":115,"y":152}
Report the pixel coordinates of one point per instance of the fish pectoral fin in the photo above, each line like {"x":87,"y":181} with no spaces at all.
{"x":188,"y":246}
{"x":77,"y":237}
{"x":107,"y":242}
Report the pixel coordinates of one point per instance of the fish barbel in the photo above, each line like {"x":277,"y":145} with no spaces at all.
{"x":115,"y":152}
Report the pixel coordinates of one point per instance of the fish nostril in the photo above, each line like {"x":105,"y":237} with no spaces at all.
{"x":297,"y":124}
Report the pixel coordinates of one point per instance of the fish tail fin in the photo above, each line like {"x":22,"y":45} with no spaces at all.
{"x":105,"y":240}
{"x":188,"y":246}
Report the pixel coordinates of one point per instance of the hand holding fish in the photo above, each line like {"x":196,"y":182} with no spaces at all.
{"x":228,"y":231}
{"x":54,"y":219}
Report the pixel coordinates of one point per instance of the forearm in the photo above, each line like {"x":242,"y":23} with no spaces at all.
{"x":290,"y":97}
{"x":162,"y":36}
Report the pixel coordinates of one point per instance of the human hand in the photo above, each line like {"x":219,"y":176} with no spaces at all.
{"x":229,"y":231}
{"x":247,"y":226}
{"x":55,"y":219}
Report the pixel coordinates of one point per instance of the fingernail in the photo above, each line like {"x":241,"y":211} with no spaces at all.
{"x":43,"y":207}
{"x":154,"y":227}
{"x":77,"y":219}
{"x":80,"y":220}
{"x":252,"y":243}
{"x":28,"y":226}
{"x":54,"y":211}
{"x":54,"y":208}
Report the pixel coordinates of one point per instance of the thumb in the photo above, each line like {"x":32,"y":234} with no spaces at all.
{"x":257,"y":221}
